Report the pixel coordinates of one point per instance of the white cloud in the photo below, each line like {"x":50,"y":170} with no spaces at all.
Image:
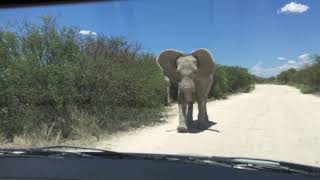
{"x":306,"y":59}
{"x":304,"y":56}
{"x":264,"y":71}
{"x":87,"y":32}
{"x":281,"y":58}
{"x":294,"y":7}
{"x":292,"y":62}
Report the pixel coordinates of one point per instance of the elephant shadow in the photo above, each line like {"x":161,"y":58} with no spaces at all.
{"x":193,"y":127}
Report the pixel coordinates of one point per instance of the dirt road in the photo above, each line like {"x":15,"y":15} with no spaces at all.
{"x":272,"y":122}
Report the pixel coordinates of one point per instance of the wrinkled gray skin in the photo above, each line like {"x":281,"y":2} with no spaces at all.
{"x":194,"y":73}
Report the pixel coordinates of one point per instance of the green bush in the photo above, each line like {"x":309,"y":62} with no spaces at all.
{"x":306,"y":79}
{"x":229,"y":80}
{"x":305,"y":89}
{"x":220,"y":85}
{"x":239,"y":79}
{"x":286,"y":76}
{"x":47,"y":72}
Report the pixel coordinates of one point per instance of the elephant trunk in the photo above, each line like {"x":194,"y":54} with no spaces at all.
{"x":188,"y":90}
{"x":188,"y":97}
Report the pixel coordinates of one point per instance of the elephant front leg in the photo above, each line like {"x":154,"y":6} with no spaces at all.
{"x":189,"y":114}
{"x":182,"y":127}
{"x":202,"y":116}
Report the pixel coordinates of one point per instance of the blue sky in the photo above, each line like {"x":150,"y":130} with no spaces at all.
{"x":265,"y":36}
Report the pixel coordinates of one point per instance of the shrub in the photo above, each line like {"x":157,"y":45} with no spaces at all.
{"x":230,"y":79}
{"x":239,"y":79}
{"x":49,"y":72}
{"x":306,"y":79}
{"x":220,"y":85}
{"x":286,"y":76}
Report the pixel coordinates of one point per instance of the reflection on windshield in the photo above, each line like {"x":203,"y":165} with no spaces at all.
{"x":216,"y":78}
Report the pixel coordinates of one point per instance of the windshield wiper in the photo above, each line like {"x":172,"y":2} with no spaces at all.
{"x":233,"y":162}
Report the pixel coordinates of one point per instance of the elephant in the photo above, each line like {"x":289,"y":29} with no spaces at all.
{"x":194,"y":74}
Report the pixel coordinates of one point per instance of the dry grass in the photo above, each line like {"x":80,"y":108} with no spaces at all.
{"x":85,"y":129}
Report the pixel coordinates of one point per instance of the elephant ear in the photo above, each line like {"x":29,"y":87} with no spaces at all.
{"x":167,"y":60}
{"x":205,"y":62}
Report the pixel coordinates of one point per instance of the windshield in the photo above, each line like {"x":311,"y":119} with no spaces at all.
{"x":212,"y":77}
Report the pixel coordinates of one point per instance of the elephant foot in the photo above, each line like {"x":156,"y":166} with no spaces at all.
{"x":182,"y":129}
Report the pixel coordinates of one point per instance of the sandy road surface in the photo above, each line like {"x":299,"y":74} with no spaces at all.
{"x":273,"y":122}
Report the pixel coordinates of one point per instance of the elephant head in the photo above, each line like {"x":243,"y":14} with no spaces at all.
{"x":186,"y":68}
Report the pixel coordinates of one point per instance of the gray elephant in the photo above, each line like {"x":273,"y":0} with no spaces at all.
{"x":194,"y":73}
